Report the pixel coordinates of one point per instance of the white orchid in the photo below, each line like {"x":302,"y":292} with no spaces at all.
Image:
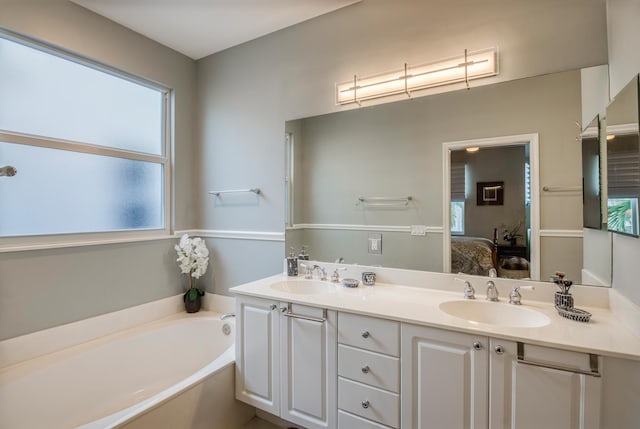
{"x":193,"y":256}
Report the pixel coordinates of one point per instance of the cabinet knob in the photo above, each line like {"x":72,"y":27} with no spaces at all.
{"x":273,"y":307}
{"x":366,"y":334}
{"x":366,"y":369}
{"x":477,"y":345}
{"x":365,"y":404}
{"x":499,"y":349}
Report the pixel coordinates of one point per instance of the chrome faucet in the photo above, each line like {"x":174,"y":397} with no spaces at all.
{"x":227,"y":316}
{"x":492,"y":291}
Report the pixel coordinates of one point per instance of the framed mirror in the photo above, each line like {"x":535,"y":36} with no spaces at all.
{"x":623,"y":161}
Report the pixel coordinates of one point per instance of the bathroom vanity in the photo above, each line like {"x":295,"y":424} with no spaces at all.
{"x":320,"y":355}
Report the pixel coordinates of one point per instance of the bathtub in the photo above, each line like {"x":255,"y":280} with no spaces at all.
{"x":173,"y":373}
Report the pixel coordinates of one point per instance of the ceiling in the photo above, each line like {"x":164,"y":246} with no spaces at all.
{"x":198,"y":28}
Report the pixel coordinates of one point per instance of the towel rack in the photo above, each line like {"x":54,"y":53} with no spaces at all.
{"x":384,"y":201}
{"x":235,"y":191}
{"x":562,"y":188}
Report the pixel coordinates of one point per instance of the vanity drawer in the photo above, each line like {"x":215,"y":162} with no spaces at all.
{"x":369,"y":402}
{"x":368,"y":367}
{"x":349,"y":421}
{"x":370,"y":333}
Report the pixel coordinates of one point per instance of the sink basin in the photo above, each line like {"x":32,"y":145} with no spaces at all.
{"x":495,"y":313}
{"x":304,"y":287}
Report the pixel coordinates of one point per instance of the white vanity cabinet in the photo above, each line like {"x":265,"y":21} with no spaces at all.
{"x":308,"y":366}
{"x":286,"y":360}
{"x":540,"y":387}
{"x":368,"y":372}
{"x":258,"y":353}
{"x":444,"y":379}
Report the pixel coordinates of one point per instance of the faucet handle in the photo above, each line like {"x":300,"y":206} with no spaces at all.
{"x":492,"y":291}
{"x":469,"y":291}
{"x":515,"y":297}
{"x":335,"y":277}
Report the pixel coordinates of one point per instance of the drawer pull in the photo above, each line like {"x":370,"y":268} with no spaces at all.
{"x":366,"y":369}
{"x":365,"y":334}
{"x":365,"y":404}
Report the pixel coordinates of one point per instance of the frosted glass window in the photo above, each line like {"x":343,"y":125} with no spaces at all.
{"x":59,"y":191}
{"x":47,"y":95}
{"x":90,"y":144}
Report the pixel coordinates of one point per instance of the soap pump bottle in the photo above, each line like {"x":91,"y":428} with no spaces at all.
{"x":292,"y":264}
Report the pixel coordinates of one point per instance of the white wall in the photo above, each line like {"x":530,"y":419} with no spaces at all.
{"x":623,"y":17}
{"x":40,"y":289}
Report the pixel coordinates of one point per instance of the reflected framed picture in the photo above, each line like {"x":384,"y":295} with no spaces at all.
{"x":490,"y":193}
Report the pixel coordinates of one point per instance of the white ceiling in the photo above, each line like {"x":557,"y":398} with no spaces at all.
{"x":198,"y":28}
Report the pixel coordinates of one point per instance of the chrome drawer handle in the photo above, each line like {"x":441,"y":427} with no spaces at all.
{"x":366,"y":369}
{"x":365,"y":334}
{"x":365,"y":404}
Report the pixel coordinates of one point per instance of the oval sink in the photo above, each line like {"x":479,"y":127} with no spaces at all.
{"x":495,"y":313}
{"x":305,"y":287}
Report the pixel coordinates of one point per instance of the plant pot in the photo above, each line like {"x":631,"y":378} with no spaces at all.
{"x":192,"y":300}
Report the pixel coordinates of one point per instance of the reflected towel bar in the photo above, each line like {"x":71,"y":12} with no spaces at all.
{"x":233,"y":191}
{"x":562,"y":188}
{"x":384,"y":201}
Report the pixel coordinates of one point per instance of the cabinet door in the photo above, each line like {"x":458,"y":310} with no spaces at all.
{"x":531,"y":396}
{"x":444,"y":379}
{"x":257,"y":353}
{"x":308,"y":366}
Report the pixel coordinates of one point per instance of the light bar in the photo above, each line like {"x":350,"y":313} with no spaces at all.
{"x":470,"y":66}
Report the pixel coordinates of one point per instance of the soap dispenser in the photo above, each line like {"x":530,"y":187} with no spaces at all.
{"x":292,"y":264}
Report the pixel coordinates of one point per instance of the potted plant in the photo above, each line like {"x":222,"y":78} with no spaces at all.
{"x":512,"y":233}
{"x":193,"y":257}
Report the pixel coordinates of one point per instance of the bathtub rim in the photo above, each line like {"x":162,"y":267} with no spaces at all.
{"x":15,"y":351}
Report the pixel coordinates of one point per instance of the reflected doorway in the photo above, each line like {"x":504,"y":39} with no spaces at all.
{"x":491,"y":205}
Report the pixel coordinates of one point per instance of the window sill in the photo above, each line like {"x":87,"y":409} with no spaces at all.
{"x":24,"y":244}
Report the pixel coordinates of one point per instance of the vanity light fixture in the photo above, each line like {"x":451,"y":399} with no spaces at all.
{"x":470,"y":66}
{"x":473,"y":149}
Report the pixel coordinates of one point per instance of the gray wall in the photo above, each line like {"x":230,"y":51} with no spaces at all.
{"x":40,"y":289}
{"x":246,"y":93}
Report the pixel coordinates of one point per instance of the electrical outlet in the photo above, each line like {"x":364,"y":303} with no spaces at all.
{"x":374,"y":243}
{"x":418,"y":230}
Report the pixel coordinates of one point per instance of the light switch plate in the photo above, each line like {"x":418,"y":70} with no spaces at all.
{"x":374,"y":244}
{"x":418,"y":230}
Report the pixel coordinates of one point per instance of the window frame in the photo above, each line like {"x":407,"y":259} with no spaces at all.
{"x":165,"y":159}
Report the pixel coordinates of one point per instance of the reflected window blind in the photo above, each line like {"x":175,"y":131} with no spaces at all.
{"x":457,"y":181}
{"x":623,"y":174}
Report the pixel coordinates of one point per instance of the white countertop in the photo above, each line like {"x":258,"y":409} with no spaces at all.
{"x":608,"y":333}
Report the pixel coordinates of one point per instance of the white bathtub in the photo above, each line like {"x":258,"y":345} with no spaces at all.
{"x":173,"y":373}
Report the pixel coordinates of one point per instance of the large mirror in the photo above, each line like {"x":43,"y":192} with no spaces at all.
{"x":367,"y":185}
{"x":623,"y":161}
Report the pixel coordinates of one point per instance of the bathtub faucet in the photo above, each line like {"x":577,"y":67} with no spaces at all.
{"x":227,"y":316}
